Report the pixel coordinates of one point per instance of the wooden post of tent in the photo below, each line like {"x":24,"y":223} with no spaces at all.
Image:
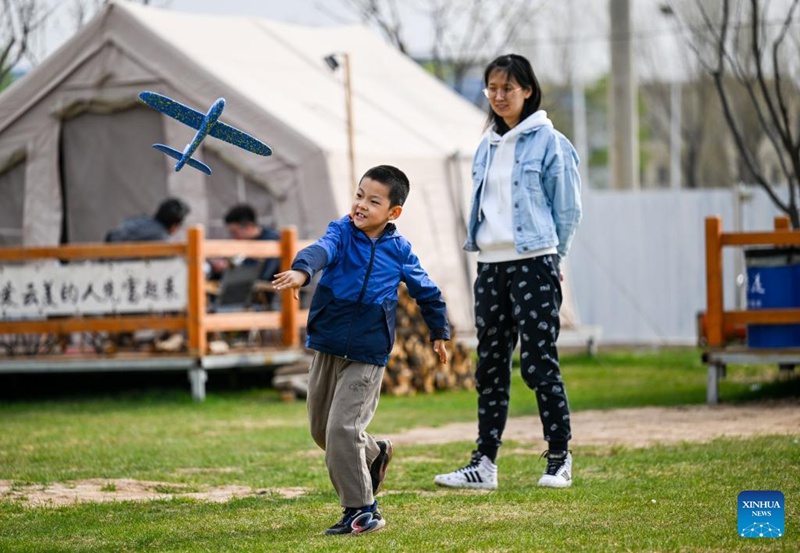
{"x":289,"y":304}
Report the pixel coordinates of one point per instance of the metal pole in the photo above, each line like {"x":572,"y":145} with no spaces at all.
{"x":675,"y":136}
{"x":741,"y":195}
{"x":624,"y":116}
{"x":579,"y":105}
{"x":579,"y":124}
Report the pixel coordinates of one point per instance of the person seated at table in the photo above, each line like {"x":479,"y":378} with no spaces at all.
{"x":159,"y":228}
{"x":242,"y":223}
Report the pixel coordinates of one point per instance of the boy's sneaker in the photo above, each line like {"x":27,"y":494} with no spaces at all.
{"x":357,"y":521}
{"x":378,"y":468}
{"x":480,"y":473}
{"x":558,"y":473}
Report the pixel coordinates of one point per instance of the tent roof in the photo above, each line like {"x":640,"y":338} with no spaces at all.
{"x":280,"y":67}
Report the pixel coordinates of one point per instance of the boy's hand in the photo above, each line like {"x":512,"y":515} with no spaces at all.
{"x":439,"y":347}
{"x":290,"y":279}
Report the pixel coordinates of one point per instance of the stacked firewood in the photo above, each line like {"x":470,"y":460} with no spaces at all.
{"x":413,"y":366}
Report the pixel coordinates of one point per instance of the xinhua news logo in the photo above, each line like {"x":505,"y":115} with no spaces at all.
{"x":761,"y":514}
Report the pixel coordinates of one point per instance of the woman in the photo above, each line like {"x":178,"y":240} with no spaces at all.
{"x":525,"y":210}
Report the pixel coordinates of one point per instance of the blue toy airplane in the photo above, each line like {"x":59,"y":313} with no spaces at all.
{"x":205,"y":124}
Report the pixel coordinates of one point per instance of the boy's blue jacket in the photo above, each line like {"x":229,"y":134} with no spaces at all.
{"x":352,"y":313}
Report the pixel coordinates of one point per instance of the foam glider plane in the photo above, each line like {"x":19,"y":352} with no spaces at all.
{"x":205,"y":124}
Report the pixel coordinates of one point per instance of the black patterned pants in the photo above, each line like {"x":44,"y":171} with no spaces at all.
{"x":519,"y":300}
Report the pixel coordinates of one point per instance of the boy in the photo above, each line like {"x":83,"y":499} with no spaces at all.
{"x":351,"y":329}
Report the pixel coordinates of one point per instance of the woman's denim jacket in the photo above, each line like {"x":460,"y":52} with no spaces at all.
{"x":545,"y":190}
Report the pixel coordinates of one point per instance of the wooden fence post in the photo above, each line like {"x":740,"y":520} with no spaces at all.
{"x":782,"y":223}
{"x":195,"y":260}
{"x":714,"y":299}
{"x":289,"y":305}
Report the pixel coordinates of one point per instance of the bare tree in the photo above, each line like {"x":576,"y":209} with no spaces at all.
{"x":468,"y":33}
{"x":698,"y":114}
{"x":24,"y":24}
{"x":749,"y":48}
{"x":465,"y":33}
{"x":20,"y":21}
{"x":701,"y":116}
{"x":385,"y":14}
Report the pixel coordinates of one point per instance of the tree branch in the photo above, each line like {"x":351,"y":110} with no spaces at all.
{"x":719,"y":81}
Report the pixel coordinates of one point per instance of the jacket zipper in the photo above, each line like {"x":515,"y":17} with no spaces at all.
{"x":361,"y":295}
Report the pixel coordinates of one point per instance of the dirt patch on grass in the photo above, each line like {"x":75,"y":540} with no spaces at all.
{"x":100,"y":490}
{"x":641,"y":427}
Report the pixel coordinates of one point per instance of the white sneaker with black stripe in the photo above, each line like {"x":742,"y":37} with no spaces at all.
{"x":480,"y":474}
{"x":558,"y":473}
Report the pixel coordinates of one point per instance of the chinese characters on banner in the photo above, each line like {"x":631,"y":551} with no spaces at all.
{"x":39,"y":289}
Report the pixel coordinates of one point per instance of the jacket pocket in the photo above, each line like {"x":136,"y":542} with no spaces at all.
{"x":323,"y":296}
{"x":536,"y":216}
{"x":532,"y":180}
{"x":389,"y":318}
{"x":370,"y":333}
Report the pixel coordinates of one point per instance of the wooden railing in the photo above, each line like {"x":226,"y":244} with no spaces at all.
{"x":196,"y":321}
{"x":719,"y":323}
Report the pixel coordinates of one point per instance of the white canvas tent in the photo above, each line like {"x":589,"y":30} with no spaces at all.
{"x":75,"y":154}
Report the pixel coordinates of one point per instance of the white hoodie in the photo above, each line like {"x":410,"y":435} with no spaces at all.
{"x":495,"y":236}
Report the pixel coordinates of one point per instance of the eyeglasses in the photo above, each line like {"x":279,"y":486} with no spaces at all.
{"x":495,"y":92}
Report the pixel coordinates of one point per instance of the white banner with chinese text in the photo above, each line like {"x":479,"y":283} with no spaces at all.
{"x":43,"y":288}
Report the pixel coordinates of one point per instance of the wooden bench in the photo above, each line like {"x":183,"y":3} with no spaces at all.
{"x":719,"y":327}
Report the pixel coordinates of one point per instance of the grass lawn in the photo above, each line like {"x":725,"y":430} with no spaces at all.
{"x":663,"y":498}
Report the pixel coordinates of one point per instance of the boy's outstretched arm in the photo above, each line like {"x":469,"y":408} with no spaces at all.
{"x":290,"y":279}
{"x":439,"y":347}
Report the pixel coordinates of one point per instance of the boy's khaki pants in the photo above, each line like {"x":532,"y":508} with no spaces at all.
{"x":342,"y":399}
